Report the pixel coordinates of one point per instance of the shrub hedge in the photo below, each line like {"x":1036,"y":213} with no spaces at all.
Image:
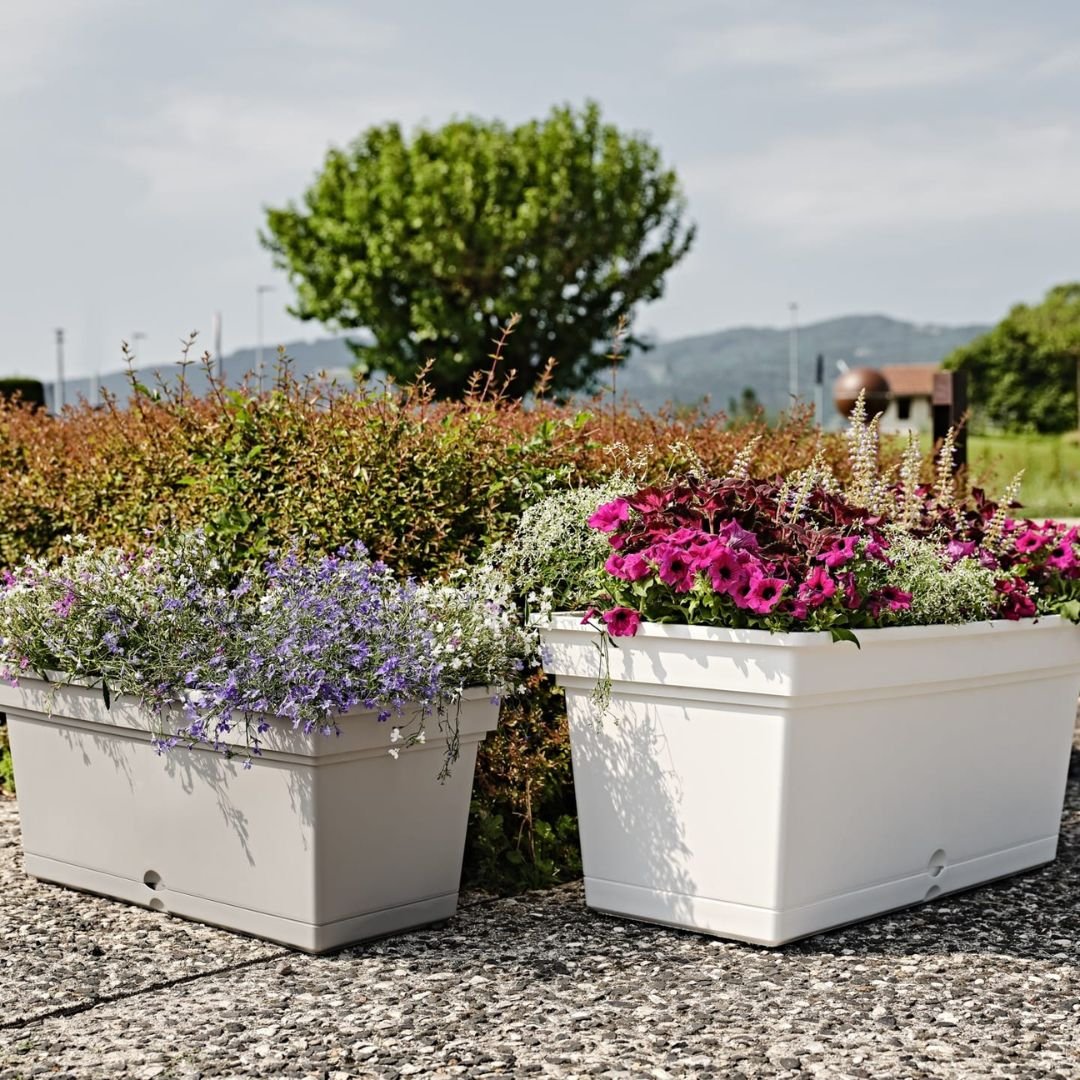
{"x":425,"y":484}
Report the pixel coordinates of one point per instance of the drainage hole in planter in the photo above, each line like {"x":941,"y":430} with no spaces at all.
{"x":157,"y":904}
{"x":934,"y":890}
{"x":152,"y":879}
{"x":936,"y":863}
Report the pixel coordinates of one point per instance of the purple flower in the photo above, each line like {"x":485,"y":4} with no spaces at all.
{"x":63,"y":606}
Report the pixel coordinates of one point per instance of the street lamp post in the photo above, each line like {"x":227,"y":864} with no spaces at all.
{"x":260,"y":291}
{"x":58,"y":393}
{"x":793,"y":351}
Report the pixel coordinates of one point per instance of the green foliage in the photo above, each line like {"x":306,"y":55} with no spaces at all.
{"x":7,"y":774}
{"x":554,"y":556}
{"x":942,"y":590}
{"x":28,"y":391}
{"x":428,"y":243}
{"x":1023,"y":373}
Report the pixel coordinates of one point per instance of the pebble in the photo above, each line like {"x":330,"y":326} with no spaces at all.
{"x":981,"y":985}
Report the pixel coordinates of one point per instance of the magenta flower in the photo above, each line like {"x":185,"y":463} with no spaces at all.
{"x":839,"y":552}
{"x":764,"y":593}
{"x":736,"y":537}
{"x":622,"y":621}
{"x":852,"y":596}
{"x":888,"y":598}
{"x":675,"y":568}
{"x":1029,"y":541}
{"x":610,"y":516}
{"x":726,"y":571}
{"x":960,"y":549}
{"x":817,"y":588}
{"x":1016,"y":604}
{"x":635,"y":567}
{"x":616,"y":565}
{"x":1063,"y":554}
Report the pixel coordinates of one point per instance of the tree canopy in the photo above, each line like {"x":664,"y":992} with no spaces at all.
{"x":1023,"y":373}
{"x":430,"y":243}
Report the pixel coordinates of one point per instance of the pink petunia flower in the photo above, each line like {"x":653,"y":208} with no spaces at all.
{"x":616,"y":565}
{"x":817,"y":588}
{"x":852,"y":596}
{"x":839,"y":552}
{"x":1029,"y":541}
{"x":726,"y":571}
{"x":960,"y":549}
{"x":675,"y":568}
{"x":610,"y":516}
{"x":636,"y":567}
{"x":765,"y":593}
{"x":622,"y":621}
{"x":736,"y":537}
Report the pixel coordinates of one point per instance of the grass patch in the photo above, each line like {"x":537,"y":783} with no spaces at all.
{"x":1051,"y":465}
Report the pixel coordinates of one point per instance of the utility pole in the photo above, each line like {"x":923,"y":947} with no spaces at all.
{"x":219,"y":360}
{"x":793,"y":351}
{"x":136,"y":337}
{"x":819,"y":390}
{"x":58,"y":392}
{"x":260,"y":291}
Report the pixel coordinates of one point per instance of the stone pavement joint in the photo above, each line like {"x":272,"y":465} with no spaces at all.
{"x":124,"y":995}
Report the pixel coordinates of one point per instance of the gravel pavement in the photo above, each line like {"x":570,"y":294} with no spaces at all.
{"x":985,"y":984}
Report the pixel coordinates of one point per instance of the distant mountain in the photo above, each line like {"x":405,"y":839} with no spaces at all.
{"x":718,"y":366}
{"x":723,"y":364}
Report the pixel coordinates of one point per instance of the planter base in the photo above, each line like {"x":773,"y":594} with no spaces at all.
{"x":306,"y":937}
{"x":770,"y":927}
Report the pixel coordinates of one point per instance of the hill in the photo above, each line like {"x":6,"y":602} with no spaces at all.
{"x":723,"y":364}
{"x":718,"y":366}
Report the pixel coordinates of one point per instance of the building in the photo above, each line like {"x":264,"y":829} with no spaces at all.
{"x":911,"y":391}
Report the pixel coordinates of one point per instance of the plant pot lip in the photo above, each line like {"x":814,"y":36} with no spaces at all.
{"x":564,"y":621}
{"x":57,"y":680}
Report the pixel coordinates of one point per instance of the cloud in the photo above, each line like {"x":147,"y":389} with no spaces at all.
{"x":832,"y":188}
{"x":37,"y":35}
{"x":201,"y":148}
{"x":883,"y":56}
{"x":325,"y":28}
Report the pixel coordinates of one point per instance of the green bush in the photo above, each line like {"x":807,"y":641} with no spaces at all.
{"x":29,"y":391}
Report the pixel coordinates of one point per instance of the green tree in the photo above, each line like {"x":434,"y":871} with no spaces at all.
{"x":429,"y":243}
{"x":1023,"y":373}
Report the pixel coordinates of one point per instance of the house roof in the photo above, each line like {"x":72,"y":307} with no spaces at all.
{"x":910,"y":380}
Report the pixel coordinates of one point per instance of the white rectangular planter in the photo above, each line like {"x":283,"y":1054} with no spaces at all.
{"x":766,"y":787}
{"x":326,"y":840}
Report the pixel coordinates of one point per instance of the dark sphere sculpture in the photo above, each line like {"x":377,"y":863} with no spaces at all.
{"x":846,"y":390}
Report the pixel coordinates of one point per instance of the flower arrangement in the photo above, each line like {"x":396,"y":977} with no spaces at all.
{"x":808,"y":553}
{"x":303,"y":640}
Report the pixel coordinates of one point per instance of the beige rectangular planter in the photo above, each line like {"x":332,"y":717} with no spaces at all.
{"x":766,"y":787}
{"x":326,"y":840}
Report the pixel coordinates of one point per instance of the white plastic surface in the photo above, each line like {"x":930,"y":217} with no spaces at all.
{"x":324,"y":841}
{"x":767,"y":787}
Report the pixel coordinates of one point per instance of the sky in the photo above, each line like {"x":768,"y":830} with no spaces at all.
{"x":919,"y":160}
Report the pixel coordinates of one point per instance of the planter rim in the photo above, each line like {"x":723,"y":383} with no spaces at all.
{"x":563,"y":621}
{"x":57,"y":681}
